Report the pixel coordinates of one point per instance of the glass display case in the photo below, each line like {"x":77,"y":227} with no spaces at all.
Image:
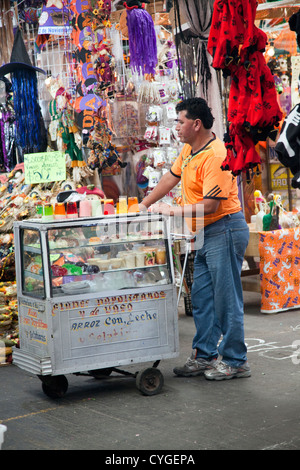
{"x":94,"y":293}
{"x":94,"y":257}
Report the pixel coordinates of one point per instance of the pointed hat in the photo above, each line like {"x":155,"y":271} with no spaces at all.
{"x":19,"y":58}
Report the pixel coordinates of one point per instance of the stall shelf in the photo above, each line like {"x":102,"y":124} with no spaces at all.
{"x":95,"y":294}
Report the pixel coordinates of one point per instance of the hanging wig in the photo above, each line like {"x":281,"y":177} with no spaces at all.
{"x":30,"y":132}
{"x":30,"y":129}
{"x":142,"y":41}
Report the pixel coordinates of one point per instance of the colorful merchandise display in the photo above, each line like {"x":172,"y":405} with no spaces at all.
{"x":108,"y":107}
{"x":9,"y":332}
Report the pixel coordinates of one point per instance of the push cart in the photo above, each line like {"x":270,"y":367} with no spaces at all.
{"x":95,"y":295}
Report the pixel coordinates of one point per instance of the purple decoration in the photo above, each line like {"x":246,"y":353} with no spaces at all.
{"x":142,"y":41}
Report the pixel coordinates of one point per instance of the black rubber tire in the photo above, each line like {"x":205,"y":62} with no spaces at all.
{"x":150,"y":381}
{"x":54,"y":386}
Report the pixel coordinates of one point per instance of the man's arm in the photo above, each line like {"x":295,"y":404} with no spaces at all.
{"x":165,"y":184}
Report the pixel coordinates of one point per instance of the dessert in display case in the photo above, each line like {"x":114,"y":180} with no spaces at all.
{"x":95,"y":294}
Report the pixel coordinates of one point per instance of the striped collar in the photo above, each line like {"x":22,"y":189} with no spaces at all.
{"x":204,"y":147}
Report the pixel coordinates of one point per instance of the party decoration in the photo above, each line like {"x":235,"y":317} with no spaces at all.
{"x":84,"y":35}
{"x":142,"y":39}
{"x":29,"y":138}
{"x":104,"y":67}
{"x":103,"y":154}
{"x":63,"y":129}
{"x":100,"y":11}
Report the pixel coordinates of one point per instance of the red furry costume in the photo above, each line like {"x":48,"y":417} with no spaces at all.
{"x":236,"y":46}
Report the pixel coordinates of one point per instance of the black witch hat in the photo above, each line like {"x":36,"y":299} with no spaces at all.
{"x":19,"y":58}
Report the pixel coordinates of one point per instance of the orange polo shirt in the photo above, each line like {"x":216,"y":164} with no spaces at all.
{"x":202,"y":177}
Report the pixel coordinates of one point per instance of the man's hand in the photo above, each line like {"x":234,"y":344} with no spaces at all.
{"x":166,"y":209}
{"x":142,"y":207}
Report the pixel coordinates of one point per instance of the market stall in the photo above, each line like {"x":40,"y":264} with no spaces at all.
{"x":109,"y":119}
{"x":102,"y":80}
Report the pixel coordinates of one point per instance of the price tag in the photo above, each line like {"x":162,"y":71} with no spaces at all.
{"x":44,"y":167}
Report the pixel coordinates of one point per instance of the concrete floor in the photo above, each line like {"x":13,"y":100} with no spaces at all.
{"x":190,"y":414}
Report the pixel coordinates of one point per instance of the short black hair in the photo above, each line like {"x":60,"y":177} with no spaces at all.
{"x":197,"y":108}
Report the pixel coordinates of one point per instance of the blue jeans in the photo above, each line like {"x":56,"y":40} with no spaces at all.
{"x":217,"y":294}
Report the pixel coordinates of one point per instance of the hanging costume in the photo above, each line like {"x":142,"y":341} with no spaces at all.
{"x":288,"y":143}
{"x":236,"y":46}
{"x":196,"y":75}
{"x":7,"y":130}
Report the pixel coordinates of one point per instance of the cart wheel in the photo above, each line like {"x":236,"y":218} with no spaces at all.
{"x":150,"y":381}
{"x":101,"y":373}
{"x":54,"y":386}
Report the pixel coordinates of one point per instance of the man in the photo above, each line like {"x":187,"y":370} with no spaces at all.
{"x":217,"y":295}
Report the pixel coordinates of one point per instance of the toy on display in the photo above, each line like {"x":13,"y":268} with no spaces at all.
{"x":64,"y":131}
{"x":271,"y":215}
{"x":103,"y":153}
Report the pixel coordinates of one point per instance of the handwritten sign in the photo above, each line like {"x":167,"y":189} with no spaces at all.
{"x":44,"y":167}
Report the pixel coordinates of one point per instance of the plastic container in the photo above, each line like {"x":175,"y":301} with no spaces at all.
{"x":122,"y":205}
{"x":85,"y":208}
{"x":161,"y":256}
{"x":72,"y":210}
{"x":133,"y":204}
{"x":3,"y":429}
{"x":47,"y":213}
{"x":96,"y":207}
{"x":59,"y":211}
{"x":108,"y":207}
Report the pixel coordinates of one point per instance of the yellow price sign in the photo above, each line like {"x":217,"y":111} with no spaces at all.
{"x":44,"y":167}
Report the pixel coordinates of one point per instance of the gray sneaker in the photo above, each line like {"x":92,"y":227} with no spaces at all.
{"x":223,"y":371}
{"x":194,"y":366}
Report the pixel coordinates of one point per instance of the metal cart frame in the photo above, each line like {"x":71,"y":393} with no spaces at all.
{"x":94,"y":333}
